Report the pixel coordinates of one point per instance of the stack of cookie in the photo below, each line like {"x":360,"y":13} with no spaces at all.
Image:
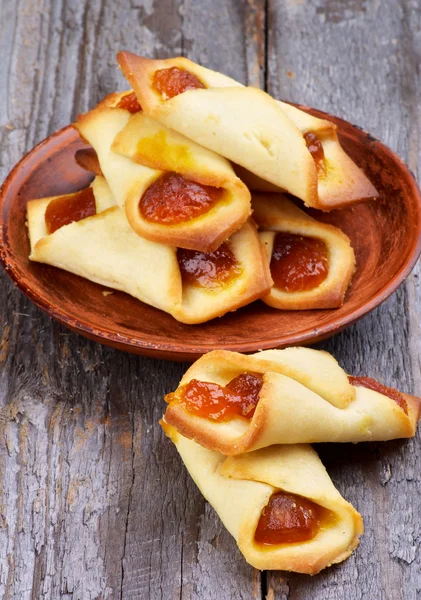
{"x":242,"y":425}
{"x":192,"y":209}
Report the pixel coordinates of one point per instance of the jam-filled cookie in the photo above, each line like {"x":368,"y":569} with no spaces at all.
{"x":246,"y":128}
{"x":173,"y":190}
{"x":243,"y":124}
{"x":234,"y":403}
{"x":278,"y":503}
{"x":311,"y":263}
{"x":98,"y":243}
{"x":86,"y":233}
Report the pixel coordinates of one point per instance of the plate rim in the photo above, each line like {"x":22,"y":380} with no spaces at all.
{"x":176,"y":351}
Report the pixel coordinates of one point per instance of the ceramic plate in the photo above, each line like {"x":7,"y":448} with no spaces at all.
{"x":384,"y":233}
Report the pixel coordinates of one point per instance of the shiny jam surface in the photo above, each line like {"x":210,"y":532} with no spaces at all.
{"x":298,"y":263}
{"x":63,"y":211}
{"x":172,"y":199}
{"x":130,"y":102}
{"x":315,"y":148}
{"x":287,"y":519}
{"x":372,"y":384}
{"x":217,"y":403}
{"x":174,"y":81}
{"x":211,"y":270}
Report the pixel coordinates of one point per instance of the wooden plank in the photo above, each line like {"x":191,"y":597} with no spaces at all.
{"x":191,"y":555}
{"x":67,"y":427}
{"x":94,"y":503}
{"x":359,"y":60}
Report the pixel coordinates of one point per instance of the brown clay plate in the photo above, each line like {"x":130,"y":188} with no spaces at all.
{"x":384,"y":233}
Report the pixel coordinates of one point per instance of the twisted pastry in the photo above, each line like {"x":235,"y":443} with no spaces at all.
{"x":278,"y":503}
{"x":233,"y":403}
{"x":173,"y":191}
{"x":99,"y":244}
{"x":243,"y":124}
{"x":278,"y":146}
{"x":312,"y":263}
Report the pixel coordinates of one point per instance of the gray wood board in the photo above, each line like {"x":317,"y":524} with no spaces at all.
{"x":94,"y":502}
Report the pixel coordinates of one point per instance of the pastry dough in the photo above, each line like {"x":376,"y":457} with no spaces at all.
{"x":343,"y":182}
{"x":273,"y":213}
{"x":306,"y":397}
{"x":239,"y":488}
{"x":243,"y":124}
{"x":200,"y":305}
{"x":194,"y":113}
{"x":103,"y":248}
{"x":162,"y":150}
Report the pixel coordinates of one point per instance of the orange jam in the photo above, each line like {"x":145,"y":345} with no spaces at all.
{"x":374,"y":385}
{"x":212,"y":401}
{"x":174,"y":81}
{"x":315,"y":148}
{"x":172,"y":199}
{"x":211,"y":270}
{"x":62,"y":211}
{"x":298,"y":263}
{"x":287,"y":519}
{"x":130,"y":102}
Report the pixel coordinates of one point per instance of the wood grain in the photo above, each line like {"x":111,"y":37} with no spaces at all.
{"x":94,"y":503}
{"x":369,"y":78}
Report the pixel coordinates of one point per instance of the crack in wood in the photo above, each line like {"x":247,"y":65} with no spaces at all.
{"x":129,"y":505}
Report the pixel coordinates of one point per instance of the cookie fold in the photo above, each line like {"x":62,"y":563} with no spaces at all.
{"x":104,"y":248}
{"x":275,"y":213}
{"x":241,"y":123}
{"x":305,"y":397}
{"x":239,"y":488}
{"x":268,"y":139}
{"x":135,"y":153}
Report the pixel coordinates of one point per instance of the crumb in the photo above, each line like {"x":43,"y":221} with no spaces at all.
{"x":290,"y":74}
{"x":106,"y":293}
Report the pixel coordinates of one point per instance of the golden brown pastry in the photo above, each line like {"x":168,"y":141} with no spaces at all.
{"x":243,"y":124}
{"x":234,"y":403}
{"x":86,"y":233}
{"x":311,"y":263}
{"x":102,"y":247}
{"x":245,"y":127}
{"x":340,"y":181}
{"x":173,"y":190}
{"x":278,"y":503}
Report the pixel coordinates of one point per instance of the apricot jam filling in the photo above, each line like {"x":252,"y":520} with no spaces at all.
{"x":217,"y":403}
{"x":211,"y":270}
{"x":173,"y":81}
{"x":173,"y":199}
{"x":315,"y":148}
{"x":374,"y":385}
{"x":288,"y":518}
{"x":298,"y":263}
{"x":62,"y":211}
{"x":130,"y":102}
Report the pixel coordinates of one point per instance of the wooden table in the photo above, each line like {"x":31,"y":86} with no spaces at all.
{"x":94,"y":502}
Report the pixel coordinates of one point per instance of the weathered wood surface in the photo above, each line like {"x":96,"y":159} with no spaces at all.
{"x":94,"y":503}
